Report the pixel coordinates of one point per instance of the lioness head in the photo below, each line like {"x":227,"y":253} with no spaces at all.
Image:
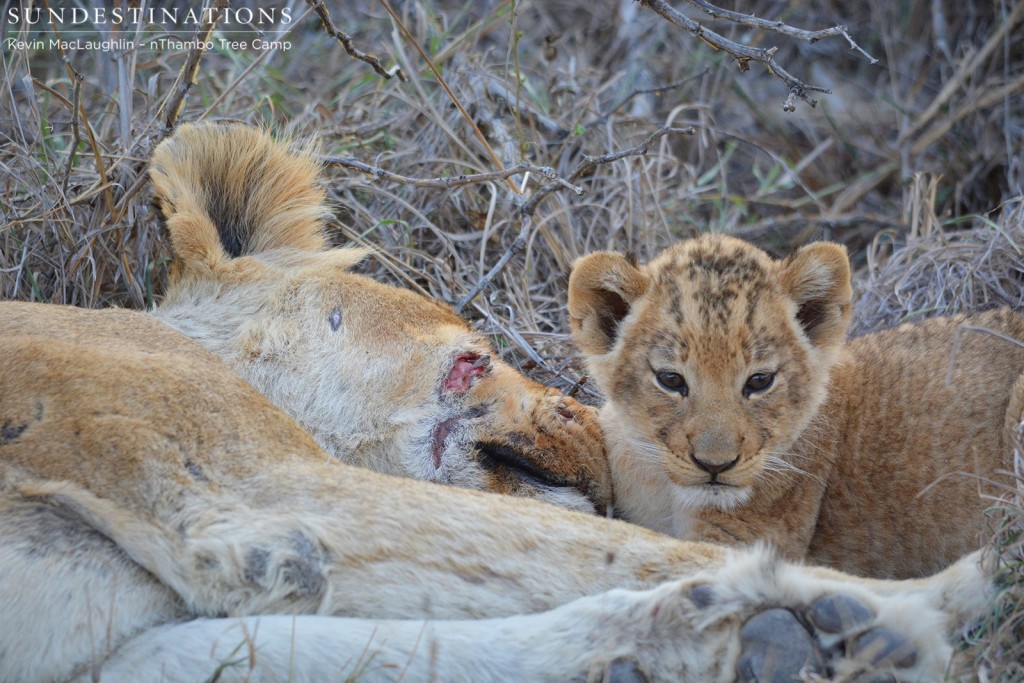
{"x":713,"y":357}
{"x":381,"y":377}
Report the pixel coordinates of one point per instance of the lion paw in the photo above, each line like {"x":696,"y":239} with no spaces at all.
{"x":837,"y":632}
{"x":784,"y":622}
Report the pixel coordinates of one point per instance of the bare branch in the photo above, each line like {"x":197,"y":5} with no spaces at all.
{"x":451,"y":94}
{"x":517,"y":246}
{"x":76,"y":131}
{"x":527,"y":208}
{"x":657,"y":90}
{"x":590,"y":162}
{"x":187,"y":76}
{"x":743,"y":54}
{"x":448,"y":182}
{"x":750,"y":21}
{"x":346,"y":42}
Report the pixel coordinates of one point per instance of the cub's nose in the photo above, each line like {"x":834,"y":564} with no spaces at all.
{"x":714,"y":451}
{"x":712,"y":467}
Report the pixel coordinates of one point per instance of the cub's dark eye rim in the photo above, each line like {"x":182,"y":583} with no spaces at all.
{"x":672,"y":381}
{"x":758,"y":383}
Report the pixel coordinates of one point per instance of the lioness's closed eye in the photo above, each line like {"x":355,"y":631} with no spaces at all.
{"x":381,"y":377}
{"x":736,"y":409}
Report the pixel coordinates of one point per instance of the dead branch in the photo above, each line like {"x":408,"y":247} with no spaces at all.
{"x":743,"y":54}
{"x":590,"y":162}
{"x":657,"y":90}
{"x":449,"y":182}
{"x":346,"y":42}
{"x":750,"y":21}
{"x":527,"y":208}
{"x":187,"y":75}
{"x":451,"y":94}
{"x":517,"y":246}
{"x":76,"y":130}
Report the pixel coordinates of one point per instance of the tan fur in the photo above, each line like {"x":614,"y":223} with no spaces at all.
{"x":371,"y":392}
{"x":859,"y":455}
{"x":153,"y":504}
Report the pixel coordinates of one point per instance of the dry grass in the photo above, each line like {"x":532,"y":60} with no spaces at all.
{"x":911,"y":153}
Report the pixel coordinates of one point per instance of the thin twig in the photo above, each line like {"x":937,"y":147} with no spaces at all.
{"x":451,"y":95}
{"x":750,"y":21}
{"x":79,"y":111}
{"x":448,"y":182}
{"x":575,"y":388}
{"x":743,"y":54}
{"x":346,"y":42}
{"x":527,"y":208}
{"x":517,"y":246}
{"x":590,"y":162}
{"x":187,"y":75}
{"x":76,"y":131}
{"x":657,"y":90}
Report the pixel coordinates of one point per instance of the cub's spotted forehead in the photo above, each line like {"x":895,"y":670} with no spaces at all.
{"x":713,"y":278}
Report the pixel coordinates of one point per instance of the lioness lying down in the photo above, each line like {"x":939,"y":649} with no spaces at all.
{"x":160,"y":519}
{"x":737,"y":411}
{"x":381,"y":377}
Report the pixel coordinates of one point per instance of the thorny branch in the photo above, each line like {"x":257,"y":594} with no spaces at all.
{"x":743,"y":54}
{"x":346,"y":42}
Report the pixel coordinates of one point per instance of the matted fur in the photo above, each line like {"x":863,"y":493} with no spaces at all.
{"x":860,"y":455}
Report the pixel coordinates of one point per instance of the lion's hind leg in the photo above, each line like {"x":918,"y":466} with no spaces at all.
{"x":757,"y":619}
{"x":68,"y":595}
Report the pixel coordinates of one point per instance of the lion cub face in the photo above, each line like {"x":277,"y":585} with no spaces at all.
{"x":713,"y":358}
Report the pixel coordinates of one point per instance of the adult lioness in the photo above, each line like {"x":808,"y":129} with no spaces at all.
{"x":152,"y":503}
{"x":736,"y":410}
{"x":381,"y":377}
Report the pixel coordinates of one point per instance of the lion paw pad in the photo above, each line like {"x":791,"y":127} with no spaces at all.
{"x":780,"y":645}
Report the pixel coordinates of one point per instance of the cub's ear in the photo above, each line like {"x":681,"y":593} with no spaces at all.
{"x":602,"y":288}
{"x":817,"y":278}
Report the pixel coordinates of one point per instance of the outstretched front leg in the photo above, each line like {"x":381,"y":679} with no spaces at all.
{"x":757,"y":619}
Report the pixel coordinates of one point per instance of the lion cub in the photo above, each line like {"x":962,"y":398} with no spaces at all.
{"x":736,"y":409}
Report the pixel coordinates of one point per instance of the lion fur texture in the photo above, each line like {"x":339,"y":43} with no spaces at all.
{"x":162,"y":519}
{"x":876,"y":455}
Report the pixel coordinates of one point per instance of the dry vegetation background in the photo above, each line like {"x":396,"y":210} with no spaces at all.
{"x":914,"y":162}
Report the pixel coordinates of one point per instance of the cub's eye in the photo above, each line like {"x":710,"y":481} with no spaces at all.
{"x":672,"y":381}
{"x":758,"y":382}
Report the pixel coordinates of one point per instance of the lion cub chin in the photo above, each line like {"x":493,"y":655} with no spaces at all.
{"x":737,"y":410}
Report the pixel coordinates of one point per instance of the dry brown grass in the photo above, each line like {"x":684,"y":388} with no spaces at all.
{"x":913,"y":152}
